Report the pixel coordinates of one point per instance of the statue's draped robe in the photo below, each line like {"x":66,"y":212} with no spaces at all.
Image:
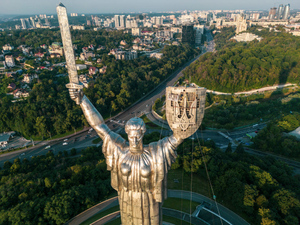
{"x":140,"y":179}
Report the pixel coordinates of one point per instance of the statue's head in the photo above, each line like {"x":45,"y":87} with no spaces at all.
{"x":135,"y":129}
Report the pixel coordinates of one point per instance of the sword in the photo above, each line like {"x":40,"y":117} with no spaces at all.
{"x":68,"y":48}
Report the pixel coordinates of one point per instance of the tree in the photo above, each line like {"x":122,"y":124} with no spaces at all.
{"x":240,"y":149}
{"x":73,"y":151}
{"x":228,"y":149}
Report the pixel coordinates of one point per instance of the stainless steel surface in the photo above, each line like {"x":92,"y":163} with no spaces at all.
{"x":185,"y":109}
{"x":138,"y":172}
{"x":68,"y":48}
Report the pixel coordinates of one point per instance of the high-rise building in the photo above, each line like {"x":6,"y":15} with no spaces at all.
{"x":199,"y":29}
{"x":117,"y":21}
{"x":188,"y":34}
{"x":32,"y":22}
{"x":23,"y":23}
{"x":286,"y":12}
{"x":28,"y":25}
{"x":255,"y":16}
{"x":122,"y":21}
{"x":272,"y":13}
{"x":158,"y":20}
{"x":88,"y":23}
{"x":279,"y":12}
{"x":47,"y":22}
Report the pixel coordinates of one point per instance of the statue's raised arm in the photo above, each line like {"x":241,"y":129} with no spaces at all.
{"x":91,"y":114}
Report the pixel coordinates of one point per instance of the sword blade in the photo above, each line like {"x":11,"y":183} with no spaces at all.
{"x":67,"y":43}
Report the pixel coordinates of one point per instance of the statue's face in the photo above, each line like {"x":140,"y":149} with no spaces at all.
{"x":135,"y":138}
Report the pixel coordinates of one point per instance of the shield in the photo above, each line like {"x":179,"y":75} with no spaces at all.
{"x":185,"y":109}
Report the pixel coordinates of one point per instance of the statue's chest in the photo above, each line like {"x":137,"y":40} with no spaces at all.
{"x":135,"y":171}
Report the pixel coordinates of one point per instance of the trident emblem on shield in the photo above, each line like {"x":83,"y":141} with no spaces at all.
{"x":185,"y":109}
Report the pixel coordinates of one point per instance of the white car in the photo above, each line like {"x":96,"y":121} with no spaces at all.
{"x":47,"y":147}
{"x":65,"y":143}
{"x":65,"y":139}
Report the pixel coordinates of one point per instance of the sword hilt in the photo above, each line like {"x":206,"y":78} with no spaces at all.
{"x":77,"y":87}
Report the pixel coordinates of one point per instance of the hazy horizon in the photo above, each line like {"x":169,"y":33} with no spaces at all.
{"x":21,"y":7}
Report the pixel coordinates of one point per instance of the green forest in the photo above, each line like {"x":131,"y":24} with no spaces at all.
{"x":273,"y":138}
{"x":51,"y":189}
{"x":261,"y":190}
{"x":49,"y":110}
{"x":241,"y":66}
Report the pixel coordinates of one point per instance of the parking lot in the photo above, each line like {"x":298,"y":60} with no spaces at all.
{"x":15,"y":142}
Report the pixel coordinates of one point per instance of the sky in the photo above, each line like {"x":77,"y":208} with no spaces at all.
{"x":127,"y":6}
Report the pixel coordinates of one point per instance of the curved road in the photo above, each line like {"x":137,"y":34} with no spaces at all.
{"x":195,"y":197}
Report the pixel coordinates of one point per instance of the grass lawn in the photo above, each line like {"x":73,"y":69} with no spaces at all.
{"x":96,"y":141}
{"x":114,"y":222}
{"x":180,"y":205}
{"x":174,"y":220}
{"x":100,"y":215}
{"x":165,"y":218}
{"x":199,"y":182}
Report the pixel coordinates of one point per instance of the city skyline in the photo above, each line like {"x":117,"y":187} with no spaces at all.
{"x":130,"y":6}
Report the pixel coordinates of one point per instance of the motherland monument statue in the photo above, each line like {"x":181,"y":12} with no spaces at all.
{"x":138,"y":172}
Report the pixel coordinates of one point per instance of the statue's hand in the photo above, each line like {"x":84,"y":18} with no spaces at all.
{"x":76,"y":95}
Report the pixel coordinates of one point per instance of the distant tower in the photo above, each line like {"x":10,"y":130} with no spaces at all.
{"x":23,"y":23}
{"x":32,"y":22}
{"x":188,"y":34}
{"x":27,"y":23}
{"x":199,"y":29}
{"x":286,"y":12}
{"x":272,"y":13}
{"x":279,"y":12}
{"x":117,"y":21}
{"x":241,"y":24}
{"x":88,"y":23}
{"x":47,"y":22}
{"x":122,"y":21}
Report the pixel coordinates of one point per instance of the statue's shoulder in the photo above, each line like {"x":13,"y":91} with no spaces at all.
{"x":116,"y":139}
{"x":154,"y":146}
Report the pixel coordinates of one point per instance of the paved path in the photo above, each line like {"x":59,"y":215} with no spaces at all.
{"x":93,"y":211}
{"x":269,"y":88}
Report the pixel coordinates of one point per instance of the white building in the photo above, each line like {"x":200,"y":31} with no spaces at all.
{"x":29,"y":78}
{"x":156,"y":55}
{"x":8,"y":47}
{"x":80,"y":66}
{"x":9,"y":60}
{"x":78,"y":27}
{"x":23,"y":23}
{"x":136,"y":31}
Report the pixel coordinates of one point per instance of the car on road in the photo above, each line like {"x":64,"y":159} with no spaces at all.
{"x":65,"y":143}
{"x":47,"y":147}
{"x":23,"y":154}
{"x":65,"y":139}
{"x":132,"y":112}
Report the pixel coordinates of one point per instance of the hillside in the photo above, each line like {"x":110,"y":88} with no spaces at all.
{"x":245,"y":66}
